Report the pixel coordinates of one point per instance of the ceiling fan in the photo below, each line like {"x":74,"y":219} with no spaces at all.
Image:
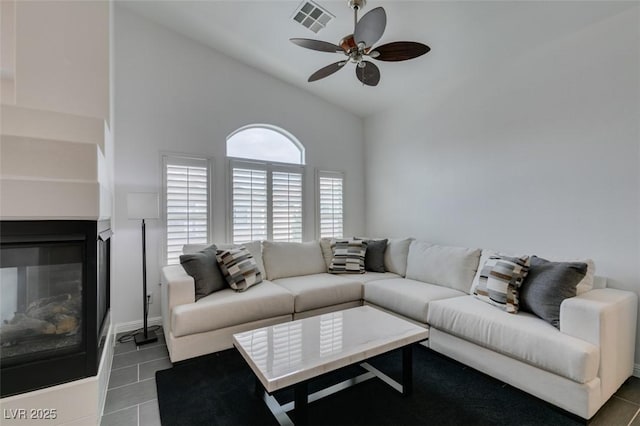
{"x":359,"y":45}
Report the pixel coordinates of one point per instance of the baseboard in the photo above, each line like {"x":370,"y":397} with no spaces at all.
{"x":636,"y":370}
{"x":134,"y":325}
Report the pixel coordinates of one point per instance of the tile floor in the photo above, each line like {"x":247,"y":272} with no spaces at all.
{"x":132,"y":400}
{"x":131,"y":395}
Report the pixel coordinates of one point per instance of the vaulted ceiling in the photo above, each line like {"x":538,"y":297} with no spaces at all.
{"x":467,"y":38}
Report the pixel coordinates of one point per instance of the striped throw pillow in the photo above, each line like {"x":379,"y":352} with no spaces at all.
{"x":239,"y":268}
{"x":348,"y":257}
{"x":500,"y":281}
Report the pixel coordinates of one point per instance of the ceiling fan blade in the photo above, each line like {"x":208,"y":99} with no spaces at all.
{"x":320,"y":45}
{"x":326,"y":71}
{"x":399,"y":51}
{"x":370,"y":27}
{"x":369,"y":75}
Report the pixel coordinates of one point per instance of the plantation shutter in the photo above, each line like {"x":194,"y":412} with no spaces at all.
{"x":287,"y":206}
{"x":330,"y":205}
{"x":249,"y":204}
{"x":187,"y":204}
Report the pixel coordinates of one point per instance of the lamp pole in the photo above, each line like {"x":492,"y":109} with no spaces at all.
{"x":146,"y":337}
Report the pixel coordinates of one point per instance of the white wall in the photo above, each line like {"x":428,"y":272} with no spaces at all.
{"x":539,"y":157}
{"x":173,"y":94}
{"x":62,"y":56}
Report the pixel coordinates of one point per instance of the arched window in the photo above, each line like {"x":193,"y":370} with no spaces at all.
{"x":265,"y":143}
{"x":266,"y":164}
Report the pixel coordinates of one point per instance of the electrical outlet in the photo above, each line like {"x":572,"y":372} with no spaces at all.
{"x":150,"y":298}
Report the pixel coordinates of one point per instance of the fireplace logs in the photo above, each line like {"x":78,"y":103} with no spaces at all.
{"x":50,"y":315}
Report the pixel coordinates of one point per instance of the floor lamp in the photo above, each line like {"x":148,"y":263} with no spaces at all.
{"x":144,"y":205}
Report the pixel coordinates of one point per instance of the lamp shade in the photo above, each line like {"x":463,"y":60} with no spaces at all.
{"x":143,"y":205}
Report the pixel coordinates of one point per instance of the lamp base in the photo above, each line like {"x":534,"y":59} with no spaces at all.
{"x":141,"y":340}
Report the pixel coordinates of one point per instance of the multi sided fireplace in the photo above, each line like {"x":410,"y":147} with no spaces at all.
{"x":54,"y":301}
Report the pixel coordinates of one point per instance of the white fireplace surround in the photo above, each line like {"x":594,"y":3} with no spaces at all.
{"x":63,"y":162}
{"x":80,"y":402}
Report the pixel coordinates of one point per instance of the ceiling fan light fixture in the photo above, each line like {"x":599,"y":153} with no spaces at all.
{"x":357,"y":4}
{"x":347,"y":43}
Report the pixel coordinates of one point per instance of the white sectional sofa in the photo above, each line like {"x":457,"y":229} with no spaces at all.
{"x":576,"y":367}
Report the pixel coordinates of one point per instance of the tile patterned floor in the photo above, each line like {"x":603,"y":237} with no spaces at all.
{"x":132,"y":399}
{"x":131,"y":395}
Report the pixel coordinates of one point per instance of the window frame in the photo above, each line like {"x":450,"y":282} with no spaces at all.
{"x":269,"y":167}
{"x":187,"y":160}
{"x":319,"y":173}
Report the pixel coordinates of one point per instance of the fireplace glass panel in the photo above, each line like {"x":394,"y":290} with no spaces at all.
{"x":41,"y":306}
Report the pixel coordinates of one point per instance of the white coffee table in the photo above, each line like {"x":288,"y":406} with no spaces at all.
{"x":293,"y":353}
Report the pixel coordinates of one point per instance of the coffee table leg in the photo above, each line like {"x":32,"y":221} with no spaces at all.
{"x":258,"y":389}
{"x":301,"y":398}
{"x":407,"y":370}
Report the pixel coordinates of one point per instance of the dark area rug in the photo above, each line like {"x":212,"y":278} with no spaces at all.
{"x":218,"y":389}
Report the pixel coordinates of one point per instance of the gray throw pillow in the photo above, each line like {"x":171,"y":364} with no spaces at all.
{"x":203,"y":267}
{"x":547,"y":285}
{"x":374,"y":257}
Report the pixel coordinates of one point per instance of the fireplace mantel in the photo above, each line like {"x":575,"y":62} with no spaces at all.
{"x":61,"y":161}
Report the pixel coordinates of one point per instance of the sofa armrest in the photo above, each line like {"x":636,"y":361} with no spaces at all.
{"x":607,"y":318}
{"x":178,"y":288}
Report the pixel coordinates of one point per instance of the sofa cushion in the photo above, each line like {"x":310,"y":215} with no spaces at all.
{"x":226,"y":308}
{"x":547,"y":285}
{"x":254,"y":247}
{"x":587,"y":283}
{"x":524,"y":337}
{"x":395,"y":256}
{"x":348,"y":257}
{"x":203,"y":267}
{"x":452,"y":267}
{"x":239,"y":268}
{"x":406,"y":297}
{"x":193,"y":248}
{"x":374,"y":257}
{"x":321,"y":290}
{"x":373,"y":276}
{"x":327,"y":250}
{"x":283,"y":260}
{"x":500,"y":281}
{"x":484,"y":256}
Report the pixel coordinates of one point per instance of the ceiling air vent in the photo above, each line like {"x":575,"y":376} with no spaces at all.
{"x":311,"y":15}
